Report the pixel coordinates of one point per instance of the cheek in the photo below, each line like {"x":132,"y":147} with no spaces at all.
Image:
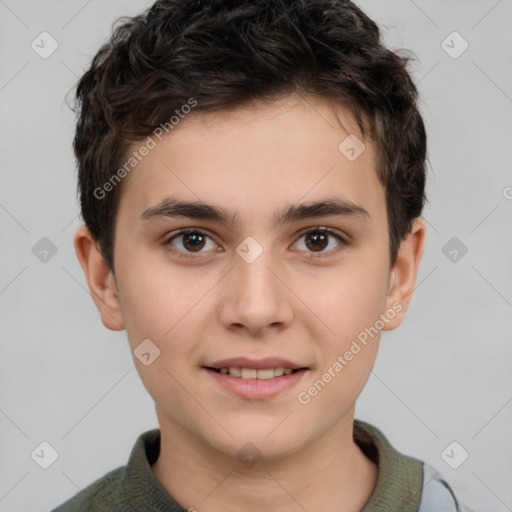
{"x":350,"y":305}
{"x":155,"y":301}
{"x":333,"y":391}
{"x":349,"y":300}
{"x":351,"y":310}
{"x":161,"y":311}
{"x":166,"y":308}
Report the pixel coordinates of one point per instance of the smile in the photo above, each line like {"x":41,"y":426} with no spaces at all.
{"x":253,"y":373}
{"x":256,"y":383}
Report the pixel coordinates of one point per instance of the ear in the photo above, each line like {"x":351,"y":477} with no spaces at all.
{"x":403,"y":273}
{"x":100,"y":279}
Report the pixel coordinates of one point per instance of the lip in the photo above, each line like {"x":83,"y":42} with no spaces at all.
{"x":257,"y":389}
{"x":258,"y":364}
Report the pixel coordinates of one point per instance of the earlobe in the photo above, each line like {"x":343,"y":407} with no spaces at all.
{"x":404,"y":271}
{"x":100,"y":279}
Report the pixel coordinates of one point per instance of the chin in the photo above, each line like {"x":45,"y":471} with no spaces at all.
{"x":262,"y":443}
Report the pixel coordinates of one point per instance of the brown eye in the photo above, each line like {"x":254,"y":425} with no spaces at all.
{"x":317,"y":240}
{"x":193,"y":241}
{"x":189,"y":241}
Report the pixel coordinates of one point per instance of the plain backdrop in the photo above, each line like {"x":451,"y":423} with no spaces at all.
{"x":444,"y":376}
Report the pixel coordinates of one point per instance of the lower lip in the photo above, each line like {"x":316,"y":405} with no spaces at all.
{"x":257,"y":389}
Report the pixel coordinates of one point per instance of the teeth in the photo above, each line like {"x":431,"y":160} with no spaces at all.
{"x":235,"y":372}
{"x":249,"y":373}
{"x":253,"y":373}
{"x":265,"y":374}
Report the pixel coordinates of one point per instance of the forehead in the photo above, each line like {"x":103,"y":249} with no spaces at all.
{"x":271,"y":153}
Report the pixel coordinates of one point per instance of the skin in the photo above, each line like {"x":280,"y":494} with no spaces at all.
{"x":291,"y":302}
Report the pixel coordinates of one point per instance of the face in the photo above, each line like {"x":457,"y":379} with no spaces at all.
{"x":283,"y":264}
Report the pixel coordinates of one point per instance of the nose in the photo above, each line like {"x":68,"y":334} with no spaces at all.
{"x":255,"y":296}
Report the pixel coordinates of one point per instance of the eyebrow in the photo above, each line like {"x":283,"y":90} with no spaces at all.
{"x":170,"y":207}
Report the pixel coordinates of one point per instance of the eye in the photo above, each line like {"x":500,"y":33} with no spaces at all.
{"x":318,"y":239}
{"x":186,"y":242}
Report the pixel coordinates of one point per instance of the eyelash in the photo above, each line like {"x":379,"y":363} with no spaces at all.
{"x":318,"y":229}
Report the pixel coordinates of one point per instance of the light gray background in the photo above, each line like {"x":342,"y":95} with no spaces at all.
{"x":443,"y":376}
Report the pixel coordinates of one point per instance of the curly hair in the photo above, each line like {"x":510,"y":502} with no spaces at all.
{"x":224,"y":54}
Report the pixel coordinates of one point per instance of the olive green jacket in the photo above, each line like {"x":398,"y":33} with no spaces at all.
{"x":404,"y":484}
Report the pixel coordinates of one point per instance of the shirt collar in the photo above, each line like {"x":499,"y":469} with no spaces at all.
{"x":398,"y":486}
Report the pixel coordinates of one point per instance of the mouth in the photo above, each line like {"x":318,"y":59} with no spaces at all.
{"x":254,"y":373}
{"x":261,"y":383}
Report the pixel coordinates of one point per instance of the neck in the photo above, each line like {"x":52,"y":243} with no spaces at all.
{"x":330,"y":472}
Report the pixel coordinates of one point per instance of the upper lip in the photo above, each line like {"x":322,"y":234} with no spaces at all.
{"x":258,"y":364}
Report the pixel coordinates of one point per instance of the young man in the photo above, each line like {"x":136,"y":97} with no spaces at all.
{"x":252,"y":178}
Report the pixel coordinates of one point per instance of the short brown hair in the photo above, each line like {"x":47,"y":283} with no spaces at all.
{"x":225,"y":54}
